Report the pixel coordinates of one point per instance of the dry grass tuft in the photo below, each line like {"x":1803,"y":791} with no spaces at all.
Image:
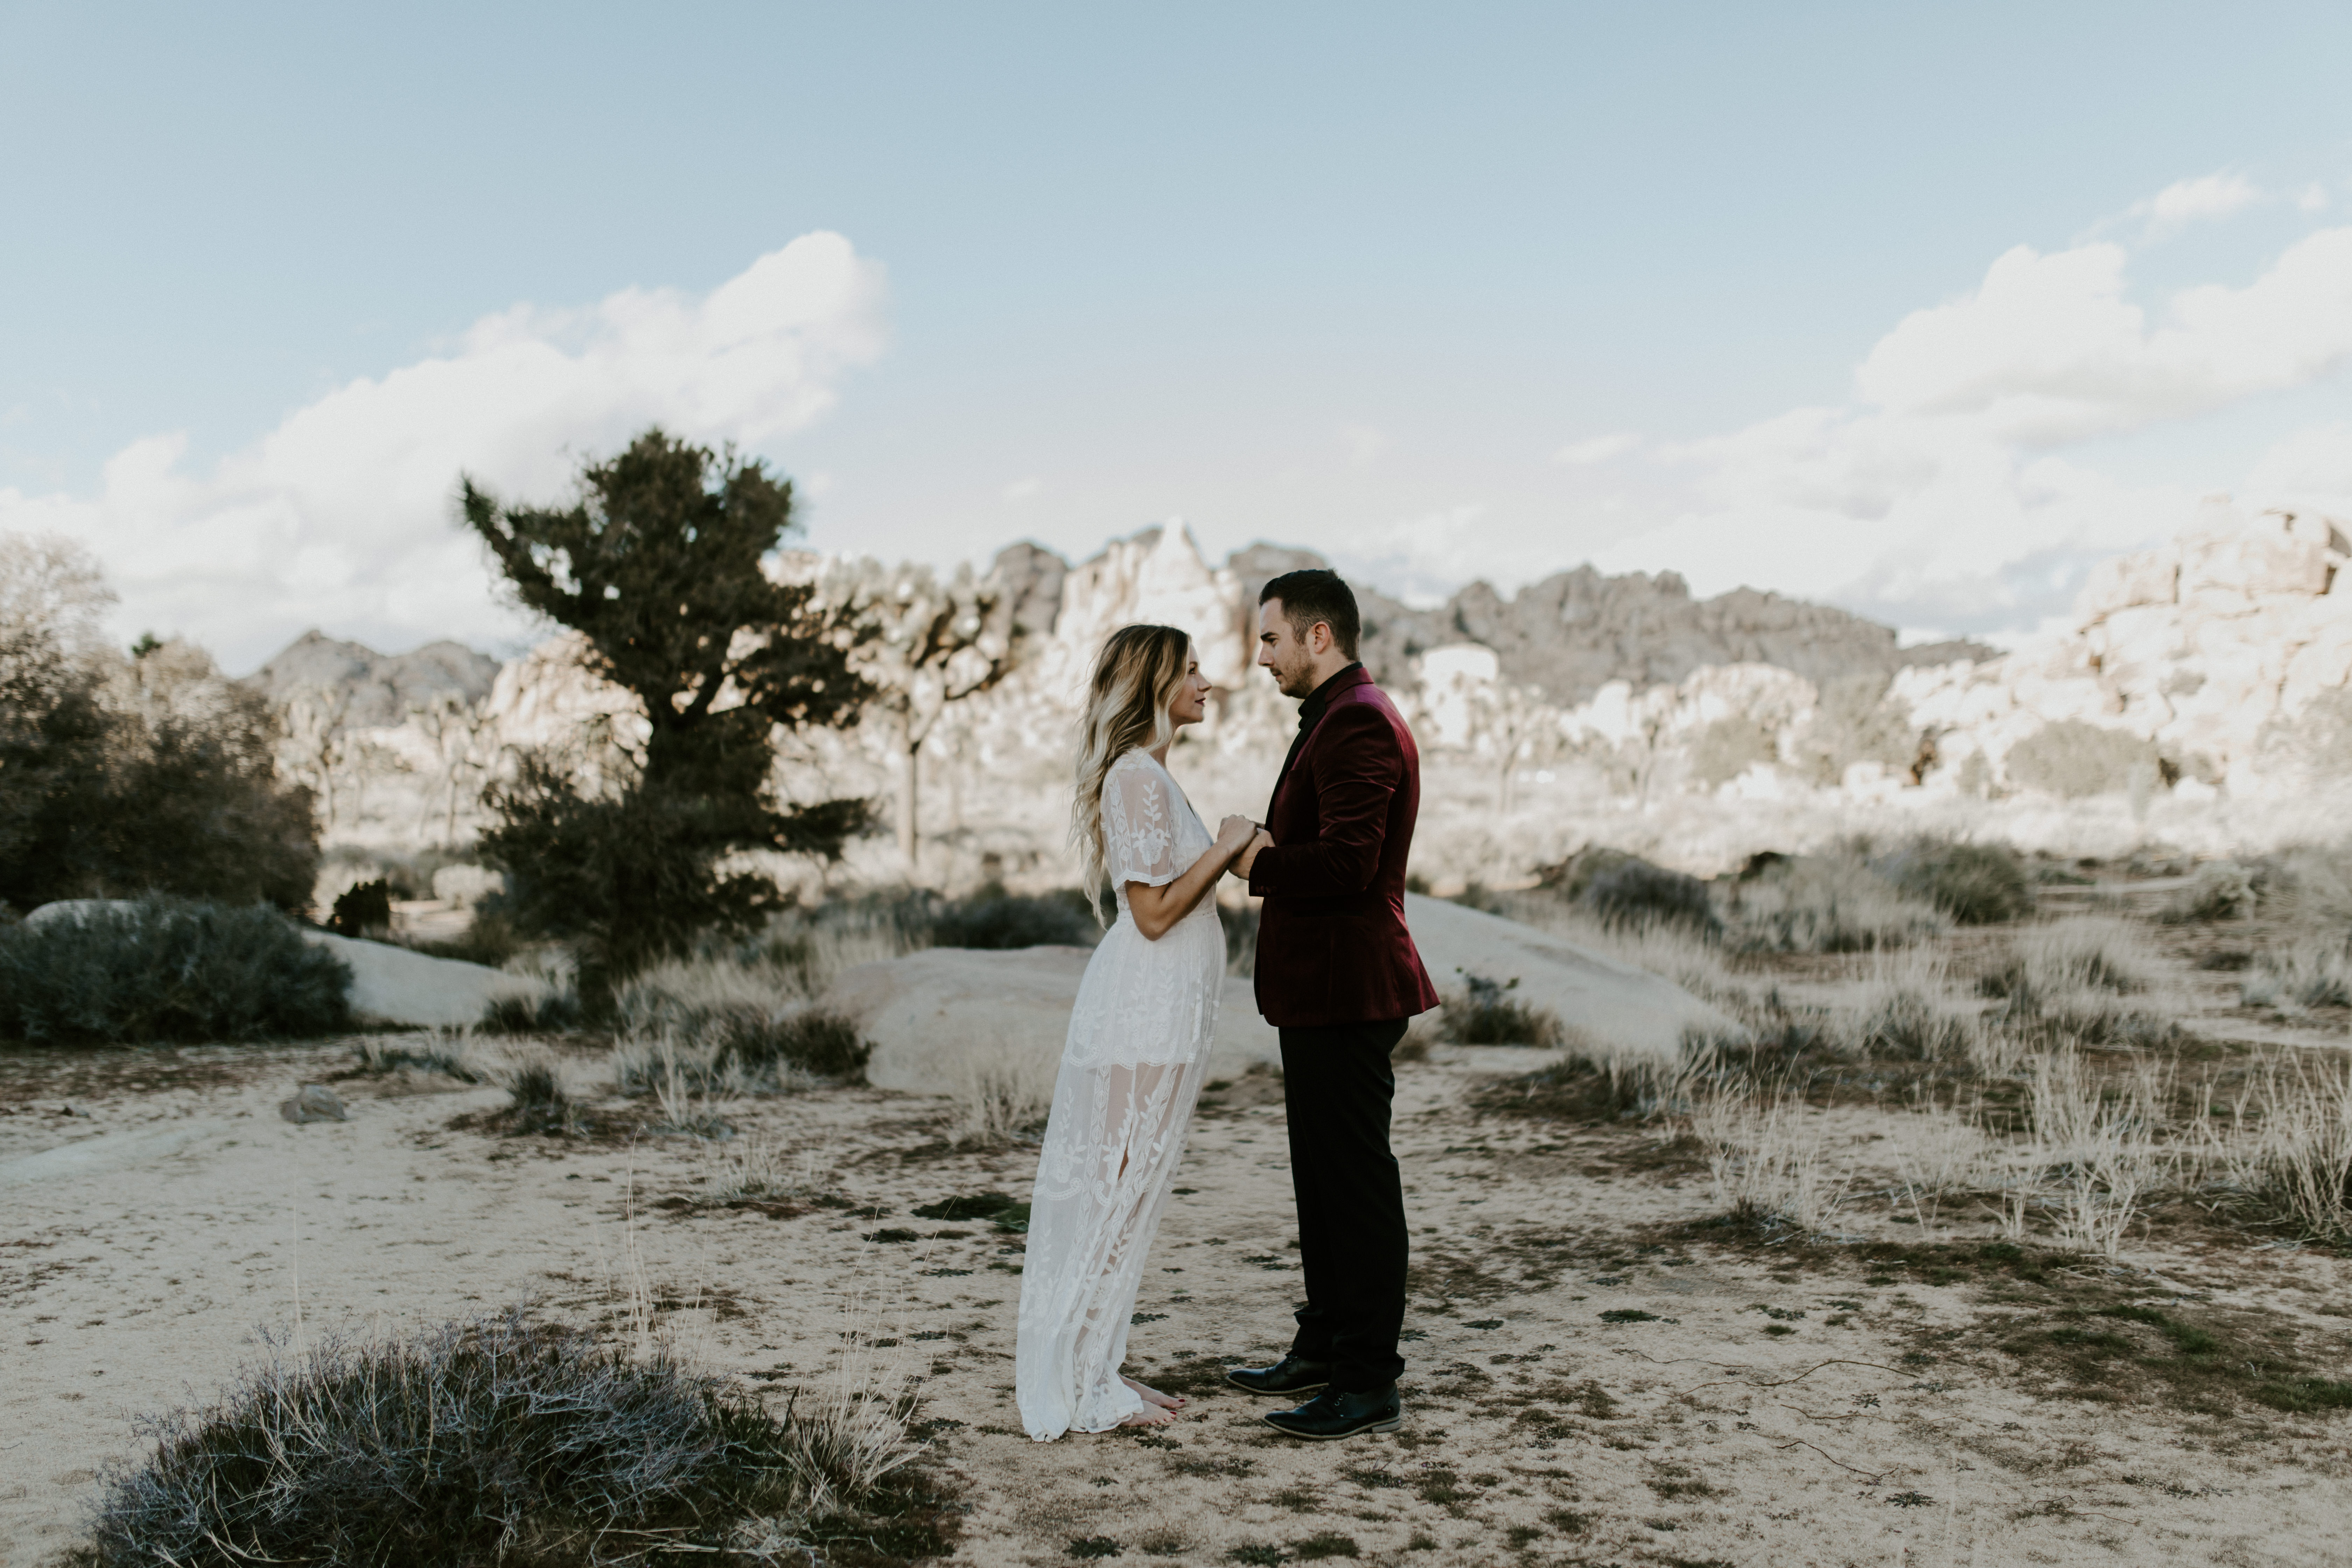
{"x":2289,"y":1145}
{"x":1906,"y":1010}
{"x":2086,"y":980}
{"x":1770,"y":1168}
{"x":1828,"y":903}
{"x":2098,"y":1146}
{"x":998,"y":1095}
{"x":2308,"y":974}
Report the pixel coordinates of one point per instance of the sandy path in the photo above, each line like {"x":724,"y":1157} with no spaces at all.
{"x":144,"y":1241}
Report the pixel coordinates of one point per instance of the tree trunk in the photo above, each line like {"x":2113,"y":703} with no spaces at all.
{"x":909,"y":846}
{"x":1510,"y":772}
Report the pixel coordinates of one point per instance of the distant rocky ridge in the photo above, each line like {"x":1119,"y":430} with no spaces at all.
{"x":1569,"y":634}
{"x":374,"y":690}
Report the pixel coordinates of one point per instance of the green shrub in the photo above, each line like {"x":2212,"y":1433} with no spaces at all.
{"x":154,"y":774}
{"x":2071,"y":759}
{"x":2221,"y":891}
{"x":1976,"y":884}
{"x":1827,"y":903}
{"x":992,"y":918}
{"x":160,"y":969}
{"x":363,"y":908}
{"x":811,"y":1039}
{"x":488,"y":1441}
{"x":1487,"y":1014}
{"x":1636,"y":893}
{"x":551,"y":1012}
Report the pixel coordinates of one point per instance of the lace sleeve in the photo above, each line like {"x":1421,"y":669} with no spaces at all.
{"x":1139,"y":826}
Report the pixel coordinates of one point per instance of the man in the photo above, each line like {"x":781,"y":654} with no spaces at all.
{"x":1338,"y":975}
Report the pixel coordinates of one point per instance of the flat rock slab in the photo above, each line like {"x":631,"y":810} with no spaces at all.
{"x":397,"y":986}
{"x":929,"y":1013}
{"x":1614,"y":1006}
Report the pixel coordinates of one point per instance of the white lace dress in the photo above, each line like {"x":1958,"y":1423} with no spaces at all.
{"x":1132,"y":1068}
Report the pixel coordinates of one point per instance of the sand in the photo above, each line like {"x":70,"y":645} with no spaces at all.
{"x":150,"y":1235}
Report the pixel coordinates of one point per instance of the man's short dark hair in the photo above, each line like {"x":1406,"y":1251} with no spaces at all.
{"x":1317,"y":594}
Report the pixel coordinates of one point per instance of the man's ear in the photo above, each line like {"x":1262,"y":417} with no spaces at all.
{"x":1319,"y":638}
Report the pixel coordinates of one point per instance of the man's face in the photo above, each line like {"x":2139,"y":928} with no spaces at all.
{"x":1284,"y":652}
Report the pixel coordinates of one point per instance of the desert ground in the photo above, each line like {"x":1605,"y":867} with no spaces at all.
{"x":1605,"y":1366}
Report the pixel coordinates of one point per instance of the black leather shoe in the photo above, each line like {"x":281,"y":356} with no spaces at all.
{"x":1332,"y":1415}
{"x":1291,"y":1375}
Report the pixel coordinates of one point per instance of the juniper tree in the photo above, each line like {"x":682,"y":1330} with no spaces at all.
{"x":658,"y":563}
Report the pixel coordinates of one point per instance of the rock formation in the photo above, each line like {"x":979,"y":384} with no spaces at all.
{"x":376,"y":689}
{"x":2224,"y":652}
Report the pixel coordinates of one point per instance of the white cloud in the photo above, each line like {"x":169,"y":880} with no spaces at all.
{"x":342,"y":516}
{"x":1022,"y":489}
{"x":1941,"y":496}
{"x":1599,"y":449}
{"x":2200,"y":200}
{"x":2050,"y":350}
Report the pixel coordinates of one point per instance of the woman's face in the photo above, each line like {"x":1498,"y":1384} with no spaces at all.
{"x":1191,"y":703}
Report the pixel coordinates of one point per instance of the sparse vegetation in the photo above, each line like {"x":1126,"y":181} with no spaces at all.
{"x":1975,"y":884}
{"x":992,"y":918}
{"x":1827,"y":903}
{"x":2308,"y":974}
{"x":470,"y":1442}
{"x":1486,"y":1013}
{"x":161,"y":968}
{"x":2220,"y":890}
{"x":1634,"y":893}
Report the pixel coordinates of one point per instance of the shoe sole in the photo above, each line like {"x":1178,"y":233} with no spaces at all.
{"x":1276,"y":1393}
{"x":1388,"y":1425}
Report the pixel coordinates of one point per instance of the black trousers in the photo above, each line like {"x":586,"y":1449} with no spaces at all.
{"x":1337,"y":1087}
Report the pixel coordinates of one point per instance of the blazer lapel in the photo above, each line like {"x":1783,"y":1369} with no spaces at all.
{"x":1298,"y":747}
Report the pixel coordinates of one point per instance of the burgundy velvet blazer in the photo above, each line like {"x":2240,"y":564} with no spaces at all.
{"x":1332,"y":947}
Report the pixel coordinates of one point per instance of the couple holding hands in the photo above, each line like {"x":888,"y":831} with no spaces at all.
{"x":1336,"y":973}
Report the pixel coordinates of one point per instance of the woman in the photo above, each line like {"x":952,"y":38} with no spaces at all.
{"x":1137,"y":1045}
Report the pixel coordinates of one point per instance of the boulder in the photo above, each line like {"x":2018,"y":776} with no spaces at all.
{"x":927,"y":1013}
{"x":399,"y":986}
{"x":314,"y":1102}
{"x":2122,"y":583}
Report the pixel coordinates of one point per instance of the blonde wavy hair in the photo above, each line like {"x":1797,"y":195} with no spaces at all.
{"x":1136,"y":678}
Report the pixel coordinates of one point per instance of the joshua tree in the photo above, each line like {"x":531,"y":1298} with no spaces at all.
{"x":1517,"y":728}
{"x":926,"y":646}
{"x":455,"y":727}
{"x":661,"y":565}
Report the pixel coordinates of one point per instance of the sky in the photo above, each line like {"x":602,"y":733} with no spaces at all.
{"x":1915,"y":309}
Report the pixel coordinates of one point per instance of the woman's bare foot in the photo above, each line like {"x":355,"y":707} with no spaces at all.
{"x":1153,"y":1417}
{"x":1153,"y":1397}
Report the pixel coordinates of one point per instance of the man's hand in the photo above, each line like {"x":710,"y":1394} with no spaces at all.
{"x":1263,"y":841}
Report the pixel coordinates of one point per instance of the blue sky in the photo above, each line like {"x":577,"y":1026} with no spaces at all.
{"x":1444,"y":291}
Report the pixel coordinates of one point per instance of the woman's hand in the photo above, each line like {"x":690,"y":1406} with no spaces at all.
{"x":1233,"y":835}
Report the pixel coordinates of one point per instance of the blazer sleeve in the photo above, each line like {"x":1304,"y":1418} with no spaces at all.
{"x":1358,"y":767}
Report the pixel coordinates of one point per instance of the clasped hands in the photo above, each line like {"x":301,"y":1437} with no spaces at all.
{"x":1243,"y":838}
